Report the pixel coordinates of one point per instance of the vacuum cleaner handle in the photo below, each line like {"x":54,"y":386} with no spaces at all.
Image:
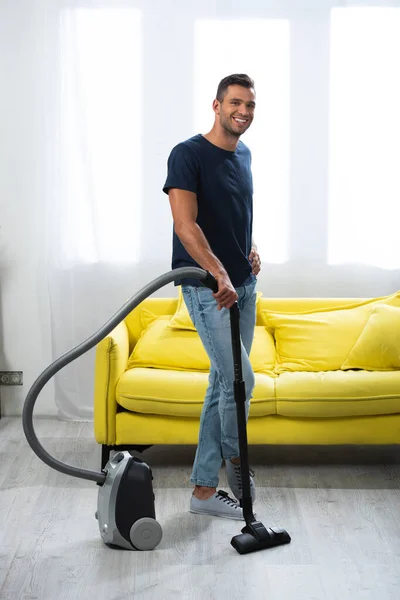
{"x":210,"y":282}
{"x":240,"y":400}
{"x":27,"y":413}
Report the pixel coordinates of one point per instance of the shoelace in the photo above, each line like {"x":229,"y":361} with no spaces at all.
{"x":239,"y":476}
{"x":221,"y":495}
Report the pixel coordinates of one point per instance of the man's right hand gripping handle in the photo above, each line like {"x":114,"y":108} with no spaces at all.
{"x":224,"y":292}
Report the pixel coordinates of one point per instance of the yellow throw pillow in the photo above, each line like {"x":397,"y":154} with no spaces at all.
{"x":147,"y":317}
{"x":319,"y":341}
{"x":161,"y":347}
{"x":181,"y":319}
{"x":378,"y":347}
{"x":263,"y":353}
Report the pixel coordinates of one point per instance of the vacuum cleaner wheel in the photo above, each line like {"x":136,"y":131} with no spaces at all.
{"x":145,"y":533}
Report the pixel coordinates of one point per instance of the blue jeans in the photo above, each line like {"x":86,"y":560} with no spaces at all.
{"x":218,"y":435}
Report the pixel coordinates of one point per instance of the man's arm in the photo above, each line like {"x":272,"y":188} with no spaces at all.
{"x":184,"y":212}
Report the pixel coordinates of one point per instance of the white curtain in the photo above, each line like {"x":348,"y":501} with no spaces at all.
{"x":103,"y":90}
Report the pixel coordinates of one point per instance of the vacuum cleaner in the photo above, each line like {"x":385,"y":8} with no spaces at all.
{"x":125,"y":504}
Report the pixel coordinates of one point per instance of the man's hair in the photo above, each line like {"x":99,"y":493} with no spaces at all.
{"x":237,"y":79}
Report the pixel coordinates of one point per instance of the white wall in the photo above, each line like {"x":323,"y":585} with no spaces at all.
{"x":25,"y":323}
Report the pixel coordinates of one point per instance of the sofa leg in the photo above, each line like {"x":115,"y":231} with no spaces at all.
{"x":105,"y":455}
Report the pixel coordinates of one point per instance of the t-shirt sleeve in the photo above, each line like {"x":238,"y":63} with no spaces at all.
{"x":183,"y":170}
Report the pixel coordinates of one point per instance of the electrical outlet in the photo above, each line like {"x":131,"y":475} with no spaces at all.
{"x":11,"y":378}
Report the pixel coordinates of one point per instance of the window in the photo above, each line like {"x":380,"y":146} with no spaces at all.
{"x":364,"y":188}
{"x":100,"y":135}
{"x":259,"y":48}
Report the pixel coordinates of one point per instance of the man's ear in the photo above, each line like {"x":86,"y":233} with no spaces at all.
{"x":216,"y":106}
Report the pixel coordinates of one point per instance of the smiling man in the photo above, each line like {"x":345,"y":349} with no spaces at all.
{"x":210,"y":189}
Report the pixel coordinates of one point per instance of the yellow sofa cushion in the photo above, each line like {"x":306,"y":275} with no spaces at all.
{"x":319,"y":340}
{"x":161,"y":347}
{"x":181,"y":393}
{"x":378,"y":347}
{"x":181,"y":318}
{"x":337,"y":394}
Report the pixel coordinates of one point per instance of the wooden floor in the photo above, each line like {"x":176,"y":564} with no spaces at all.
{"x":340,"y":505}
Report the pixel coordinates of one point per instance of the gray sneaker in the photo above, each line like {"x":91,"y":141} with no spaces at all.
{"x":218,"y":505}
{"x":234,"y":475}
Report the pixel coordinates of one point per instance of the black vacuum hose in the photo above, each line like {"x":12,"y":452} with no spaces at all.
{"x":27,"y":414}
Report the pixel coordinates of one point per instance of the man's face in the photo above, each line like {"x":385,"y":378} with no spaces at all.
{"x":236,"y":111}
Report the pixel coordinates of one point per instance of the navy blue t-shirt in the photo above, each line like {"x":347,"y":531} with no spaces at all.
{"x":222,"y":181}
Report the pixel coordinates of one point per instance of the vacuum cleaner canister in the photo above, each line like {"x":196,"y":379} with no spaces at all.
{"x":125,"y":505}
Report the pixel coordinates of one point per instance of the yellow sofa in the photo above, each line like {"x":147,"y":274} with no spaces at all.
{"x":327,"y":371}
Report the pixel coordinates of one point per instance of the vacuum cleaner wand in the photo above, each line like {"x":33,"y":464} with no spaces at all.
{"x":254,"y":535}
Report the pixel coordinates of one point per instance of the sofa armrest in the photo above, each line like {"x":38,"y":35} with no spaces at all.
{"x":110,"y":363}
